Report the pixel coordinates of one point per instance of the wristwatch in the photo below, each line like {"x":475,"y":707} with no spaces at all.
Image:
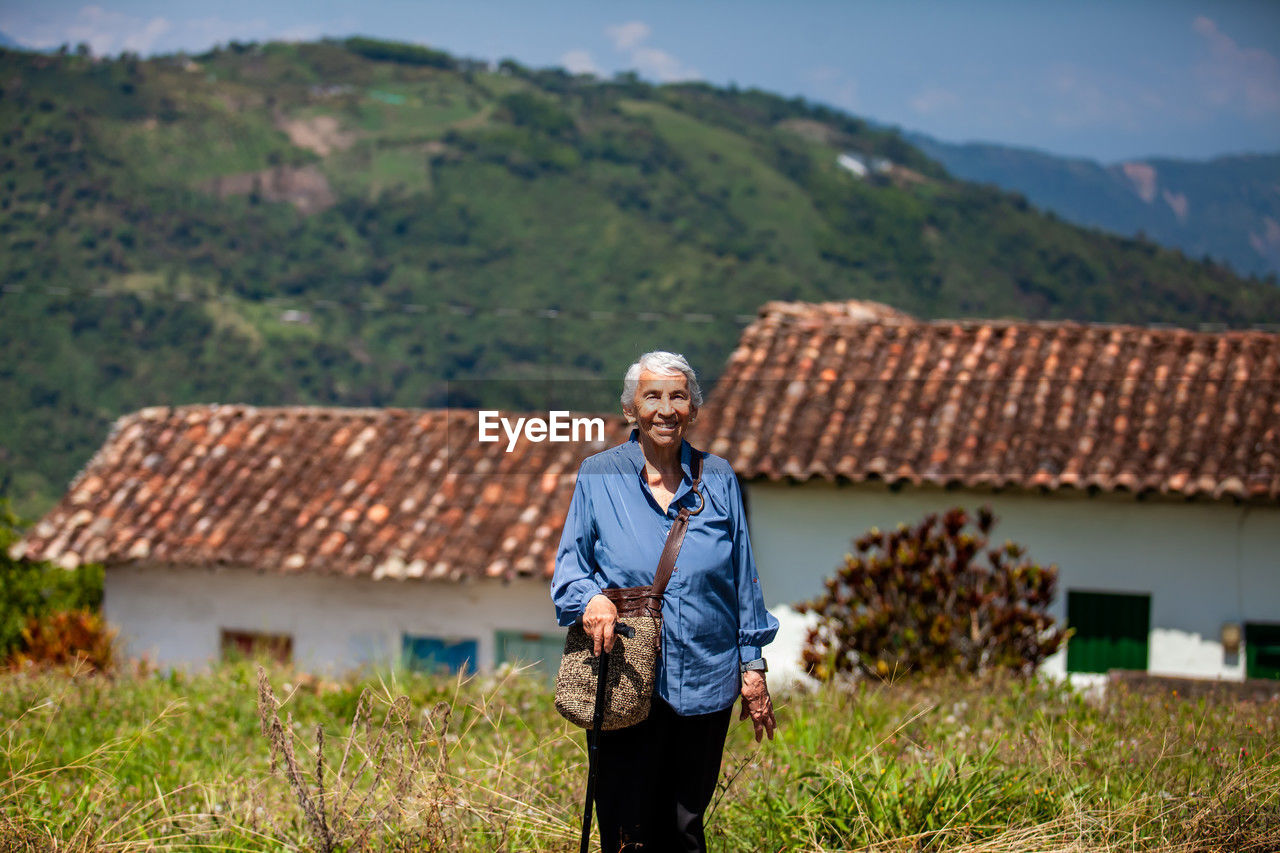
{"x":758,"y":665}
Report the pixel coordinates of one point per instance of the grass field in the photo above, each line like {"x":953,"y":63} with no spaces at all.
{"x":150,"y":761}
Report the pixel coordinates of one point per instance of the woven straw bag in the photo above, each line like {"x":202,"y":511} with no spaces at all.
{"x":633,"y":664}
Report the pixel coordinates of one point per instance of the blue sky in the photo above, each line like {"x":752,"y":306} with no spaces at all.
{"x":1105,"y":80}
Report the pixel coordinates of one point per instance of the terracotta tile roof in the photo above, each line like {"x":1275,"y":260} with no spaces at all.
{"x":377,"y":492}
{"x":821,"y":393}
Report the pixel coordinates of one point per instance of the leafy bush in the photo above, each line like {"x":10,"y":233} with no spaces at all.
{"x":921,"y":599}
{"x":77,"y":638}
{"x":400,"y":52}
{"x":538,"y":113}
{"x":31,"y":592}
{"x":525,"y":152}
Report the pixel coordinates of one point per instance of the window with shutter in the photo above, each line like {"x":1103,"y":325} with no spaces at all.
{"x":255,"y":644}
{"x":439,"y":654}
{"x":1262,"y":649}
{"x":1112,"y":631}
{"x":530,"y":648}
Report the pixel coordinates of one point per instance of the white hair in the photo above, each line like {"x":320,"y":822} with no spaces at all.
{"x":660,"y":362}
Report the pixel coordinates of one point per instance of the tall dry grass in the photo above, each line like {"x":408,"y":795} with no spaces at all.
{"x":395,"y":761}
{"x":390,"y":787}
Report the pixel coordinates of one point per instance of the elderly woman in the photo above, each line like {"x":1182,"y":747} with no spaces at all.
{"x":657,"y":777}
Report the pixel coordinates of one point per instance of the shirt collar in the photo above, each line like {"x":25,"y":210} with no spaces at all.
{"x":636,"y":453}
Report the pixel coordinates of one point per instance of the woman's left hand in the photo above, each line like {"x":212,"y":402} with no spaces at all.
{"x":756,"y":704}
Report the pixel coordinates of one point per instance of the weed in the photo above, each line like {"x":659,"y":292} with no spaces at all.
{"x":390,"y":786}
{"x":405,"y":761}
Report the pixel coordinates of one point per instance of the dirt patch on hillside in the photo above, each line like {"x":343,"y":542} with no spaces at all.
{"x":814,"y":131}
{"x":305,"y":187}
{"x":903,"y":177}
{"x":321,"y":134}
{"x":1267,"y":242}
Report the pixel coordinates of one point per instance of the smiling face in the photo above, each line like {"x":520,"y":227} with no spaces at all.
{"x":662,"y":409}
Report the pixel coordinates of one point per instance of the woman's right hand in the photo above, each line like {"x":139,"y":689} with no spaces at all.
{"x":598,"y":621}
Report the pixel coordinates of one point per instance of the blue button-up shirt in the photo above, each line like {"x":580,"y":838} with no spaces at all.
{"x":713,"y":611}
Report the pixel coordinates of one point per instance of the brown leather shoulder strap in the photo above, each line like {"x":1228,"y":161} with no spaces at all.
{"x":675,"y":538}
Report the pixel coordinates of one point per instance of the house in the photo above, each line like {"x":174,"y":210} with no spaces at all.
{"x":862,"y":166}
{"x":1144,"y":462}
{"x":853,"y":163}
{"x":333,"y":537}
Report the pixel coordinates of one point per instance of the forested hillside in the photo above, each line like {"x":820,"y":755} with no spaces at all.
{"x":364,"y":223}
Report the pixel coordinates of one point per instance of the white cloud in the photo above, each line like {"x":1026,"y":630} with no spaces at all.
{"x":934,"y":100}
{"x":300,"y":32}
{"x":104,"y":31}
{"x":629,"y":35}
{"x":210,"y":31}
{"x":1232,"y":75}
{"x":835,"y":87}
{"x":141,"y":41}
{"x":1078,"y":97}
{"x":630,"y":38}
{"x":579,"y":62}
{"x":661,"y":65}
{"x":108,"y":32}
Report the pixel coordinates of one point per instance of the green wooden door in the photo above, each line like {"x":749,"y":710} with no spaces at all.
{"x":1111,"y":631}
{"x":1262,"y":650}
{"x":524,"y":648}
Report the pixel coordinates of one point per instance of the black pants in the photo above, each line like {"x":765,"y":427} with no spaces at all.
{"x":656,"y":779}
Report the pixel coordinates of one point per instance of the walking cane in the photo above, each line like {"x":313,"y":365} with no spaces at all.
{"x":593,"y":736}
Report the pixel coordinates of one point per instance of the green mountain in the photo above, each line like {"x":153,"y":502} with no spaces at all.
{"x":1227,"y":208}
{"x":365,"y":223}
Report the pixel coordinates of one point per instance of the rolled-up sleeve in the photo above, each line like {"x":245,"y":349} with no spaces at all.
{"x":756,"y":625}
{"x":573,"y":584}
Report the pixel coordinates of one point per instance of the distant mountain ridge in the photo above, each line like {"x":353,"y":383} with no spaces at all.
{"x":1227,"y":208}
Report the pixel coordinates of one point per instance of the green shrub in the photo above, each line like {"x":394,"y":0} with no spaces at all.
{"x":76,"y":638}
{"x":35,"y":591}
{"x":922,"y":599}
{"x":538,"y":113}
{"x":955,"y":798}
{"x":399,"y":52}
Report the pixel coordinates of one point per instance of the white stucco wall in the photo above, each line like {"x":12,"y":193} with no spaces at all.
{"x":174,"y":616}
{"x":1203,"y":563}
